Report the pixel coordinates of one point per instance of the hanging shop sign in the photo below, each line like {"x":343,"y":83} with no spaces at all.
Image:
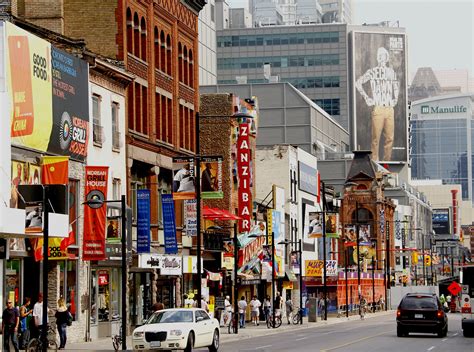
{"x":183,"y":178}
{"x":167,"y":264}
{"x":169,"y":224}
{"x":190,"y":217}
{"x":95,"y":215}
{"x":244,"y":176}
{"x":143,"y":221}
{"x":211,"y":177}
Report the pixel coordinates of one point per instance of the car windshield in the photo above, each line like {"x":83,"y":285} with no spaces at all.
{"x":173,"y":316}
{"x":419,"y":302}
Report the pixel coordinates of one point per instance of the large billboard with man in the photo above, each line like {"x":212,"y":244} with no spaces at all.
{"x":380,"y":94}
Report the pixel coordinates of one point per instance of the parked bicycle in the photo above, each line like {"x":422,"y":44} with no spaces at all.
{"x":273,"y":323}
{"x":298,"y":317}
{"x":117,"y":338}
{"x":36,"y":344}
{"x":234,"y":320}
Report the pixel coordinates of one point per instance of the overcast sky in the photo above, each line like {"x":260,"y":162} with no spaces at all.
{"x":440,"y":32}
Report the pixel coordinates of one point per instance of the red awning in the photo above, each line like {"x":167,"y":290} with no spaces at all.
{"x":218,"y":214}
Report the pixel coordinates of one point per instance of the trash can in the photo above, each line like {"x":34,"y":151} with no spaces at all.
{"x":312,"y":305}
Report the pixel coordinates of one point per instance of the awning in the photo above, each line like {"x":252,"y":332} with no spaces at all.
{"x":218,"y":214}
{"x":289,"y":274}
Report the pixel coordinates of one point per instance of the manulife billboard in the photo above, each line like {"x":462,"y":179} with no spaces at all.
{"x":442,"y":107}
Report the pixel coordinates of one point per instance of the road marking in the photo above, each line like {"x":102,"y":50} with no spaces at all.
{"x":355,"y":341}
{"x":456,"y":334}
{"x":262,"y":347}
{"x":302,"y":338}
{"x":443,"y":340}
{"x":429,"y":349}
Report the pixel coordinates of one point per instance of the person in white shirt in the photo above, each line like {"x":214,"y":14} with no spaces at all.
{"x":38,"y":312}
{"x":227,"y":310}
{"x":242,"y":304}
{"x":255,"y":305}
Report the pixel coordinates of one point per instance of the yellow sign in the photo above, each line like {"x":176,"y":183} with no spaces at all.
{"x":313,"y":268}
{"x":414,"y":258}
{"x":288,"y":285}
{"x":269,"y":225}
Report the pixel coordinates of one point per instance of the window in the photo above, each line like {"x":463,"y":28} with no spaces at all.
{"x":73,"y":208}
{"x":143,"y":55}
{"x":115,"y":126}
{"x":213,"y":13}
{"x":116,"y":191}
{"x":96,"y":121}
{"x":68,"y":285}
{"x":136,"y":36}
{"x":331,"y":106}
{"x":129,"y":31}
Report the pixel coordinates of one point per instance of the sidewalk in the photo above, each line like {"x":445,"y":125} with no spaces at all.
{"x":250,"y":331}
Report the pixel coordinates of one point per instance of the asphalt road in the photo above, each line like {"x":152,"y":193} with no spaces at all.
{"x":376,"y":334}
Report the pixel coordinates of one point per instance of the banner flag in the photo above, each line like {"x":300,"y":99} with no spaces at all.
{"x":211,"y":177}
{"x":183,"y":178}
{"x":169,"y":224}
{"x":143,"y":221}
{"x":93,"y":247}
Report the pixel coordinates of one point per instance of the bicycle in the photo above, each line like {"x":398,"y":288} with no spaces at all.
{"x":273,"y":323}
{"x":298,"y":317}
{"x":36,"y":344}
{"x":117,"y":339}
{"x":234,"y":320}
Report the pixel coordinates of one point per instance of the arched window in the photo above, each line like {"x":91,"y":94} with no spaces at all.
{"x":143,"y":39}
{"x":180,"y":62}
{"x":129,"y":31}
{"x":191,"y":68}
{"x":156,"y":48}
{"x":185,"y":65}
{"x":168,"y":55}
{"x":136,"y":36}
{"x":162,"y":52}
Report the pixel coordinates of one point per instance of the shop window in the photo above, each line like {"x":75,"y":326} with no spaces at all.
{"x":68,"y":285}
{"x":105,"y":295}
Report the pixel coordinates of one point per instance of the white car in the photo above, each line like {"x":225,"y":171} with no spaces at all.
{"x":177,"y":329}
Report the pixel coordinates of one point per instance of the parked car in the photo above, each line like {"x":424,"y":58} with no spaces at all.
{"x":421,"y":312}
{"x":177,"y":329}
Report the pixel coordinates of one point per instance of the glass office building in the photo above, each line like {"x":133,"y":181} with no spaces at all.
{"x":442,"y":139}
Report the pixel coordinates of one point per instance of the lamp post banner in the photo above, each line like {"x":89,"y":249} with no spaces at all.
{"x":169,"y":224}
{"x":95,"y":215}
{"x":244,"y":176}
{"x":143,"y":221}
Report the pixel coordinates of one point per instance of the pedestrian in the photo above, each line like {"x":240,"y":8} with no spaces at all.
{"x":322,"y":306}
{"x":25,"y":318}
{"x":157,"y":306}
{"x":62,"y":318}
{"x":277,"y":304}
{"x":227,"y":311}
{"x":242,"y":304}
{"x":381,"y":303}
{"x":203,"y":304}
{"x":267,"y":307}
{"x":289,"y":309}
{"x":10,"y":322}
{"x":38,"y":314}
{"x":362,"y":306}
{"x":255,"y":305}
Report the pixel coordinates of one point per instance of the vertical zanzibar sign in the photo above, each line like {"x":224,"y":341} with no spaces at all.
{"x":143,"y":221}
{"x":169,"y":226}
{"x":243,"y":170}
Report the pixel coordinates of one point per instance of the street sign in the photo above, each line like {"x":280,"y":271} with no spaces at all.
{"x":454,"y":288}
{"x":465,"y":289}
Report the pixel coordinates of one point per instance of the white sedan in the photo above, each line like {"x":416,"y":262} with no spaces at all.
{"x":177,"y":329}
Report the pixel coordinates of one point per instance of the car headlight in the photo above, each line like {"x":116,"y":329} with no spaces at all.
{"x":138,"y":334}
{"x":176,"y":332}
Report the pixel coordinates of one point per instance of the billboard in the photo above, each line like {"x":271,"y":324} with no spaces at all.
{"x":380,"y":94}
{"x":441,"y":223}
{"x":48,"y":89}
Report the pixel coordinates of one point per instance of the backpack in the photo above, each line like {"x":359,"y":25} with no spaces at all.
{"x":69,"y":319}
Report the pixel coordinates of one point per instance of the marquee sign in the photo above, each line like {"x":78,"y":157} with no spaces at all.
{"x":244,"y":173}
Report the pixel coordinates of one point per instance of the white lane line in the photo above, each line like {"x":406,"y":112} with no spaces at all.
{"x":456,"y":334}
{"x":443,"y":340}
{"x":262,"y":347}
{"x":429,"y":349}
{"x":302,"y":338}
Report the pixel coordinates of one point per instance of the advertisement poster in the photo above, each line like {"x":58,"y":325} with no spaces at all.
{"x":380,"y":94}
{"x":113,"y":231}
{"x":244,"y":176}
{"x":143,"y":221}
{"x":441,"y":223}
{"x":315,"y":268}
{"x":211,"y":177}
{"x":93,"y":247}
{"x":278,"y":236}
{"x":70,"y":131}
{"x":190,"y":217}
{"x":169,"y":224}
{"x":49,"y":93}
{"x":183,"y":178}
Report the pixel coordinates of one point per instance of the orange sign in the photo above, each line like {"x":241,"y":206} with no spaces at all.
{"x":314,"y":268}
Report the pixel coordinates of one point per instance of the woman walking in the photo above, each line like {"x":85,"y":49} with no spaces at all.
{"x":62,"y":317}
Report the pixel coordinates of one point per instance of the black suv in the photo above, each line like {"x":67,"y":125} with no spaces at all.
{"x":421,"y":312}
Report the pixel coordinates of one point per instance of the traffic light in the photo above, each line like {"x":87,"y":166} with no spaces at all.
{"x":427,"y":260}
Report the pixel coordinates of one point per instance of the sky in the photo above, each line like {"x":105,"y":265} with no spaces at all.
{"x":440,"y":32}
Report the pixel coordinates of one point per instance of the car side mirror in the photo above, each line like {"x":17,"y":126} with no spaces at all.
{"x":198,"y":319}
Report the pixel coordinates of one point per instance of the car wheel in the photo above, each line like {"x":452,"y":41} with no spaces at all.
{"x":190,"y":344}
{"x":441,"y":332}
{"x":400,"y":332}
{"x":215,"y":342}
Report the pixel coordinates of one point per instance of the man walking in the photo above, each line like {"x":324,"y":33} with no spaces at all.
{"x":289,"y":309}
{"x":242,"y":304}
{"x":385,"y":88}
{"x":10,"y":321}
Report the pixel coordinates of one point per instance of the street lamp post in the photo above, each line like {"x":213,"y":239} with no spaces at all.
{"x":44,"y":331}
{"x":324,"y":253}
{"x":236,"y":288}
{"x":123,"y":216}
{"x":347,"y":284}
{"x":423,"y":252}
{"x":373,"y":284}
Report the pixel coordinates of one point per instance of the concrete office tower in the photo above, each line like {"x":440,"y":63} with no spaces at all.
{"x":308,"y":12}
{"x":207,"y":44}
{"x":240,"y":18}
{"x":266,"y":13}
{"x":441,"y":143}
{"x":337,"y":11}
{"x":222,"y":14}
{"x":424,"y":85}
{"x":288,"y":11}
